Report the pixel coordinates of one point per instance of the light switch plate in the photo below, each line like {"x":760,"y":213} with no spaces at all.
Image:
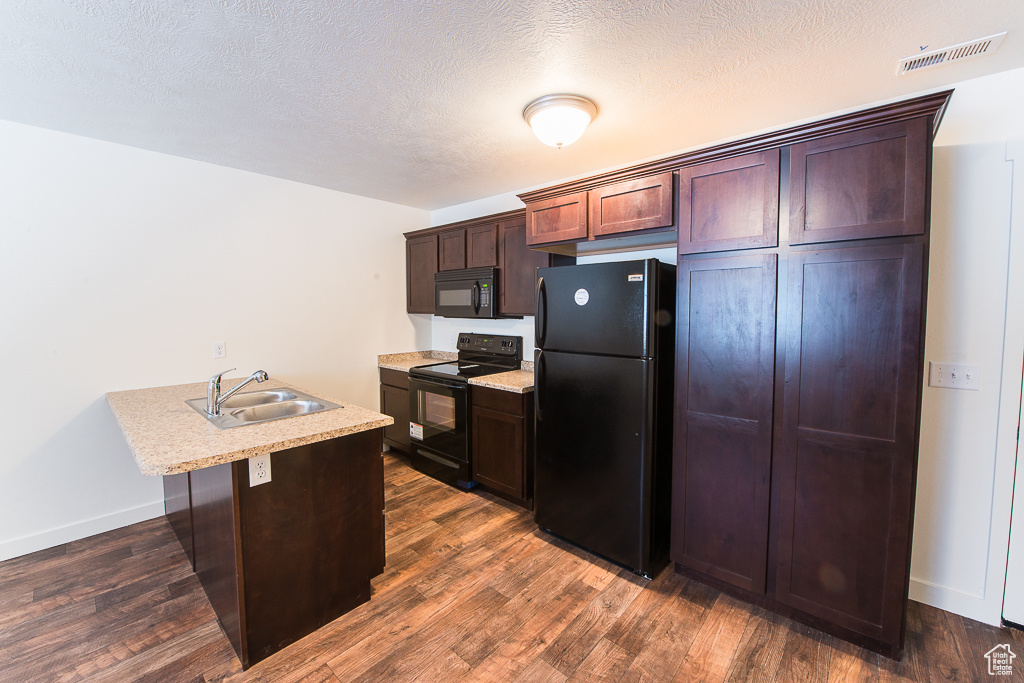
{"x":954,"y":376}
{"x":259,"y":470}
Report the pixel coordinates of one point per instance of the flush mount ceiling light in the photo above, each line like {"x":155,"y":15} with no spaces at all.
{"x":559,"y":120}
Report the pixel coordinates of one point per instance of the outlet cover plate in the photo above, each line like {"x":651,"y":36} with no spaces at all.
{"x":954,"y":376}
{"x":259,"y":470}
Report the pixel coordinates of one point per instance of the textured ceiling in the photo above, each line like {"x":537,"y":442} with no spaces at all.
{"x":420,"y":102}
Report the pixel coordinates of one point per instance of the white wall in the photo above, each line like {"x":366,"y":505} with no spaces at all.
{"x":966,"y":465}
{"x":120,"y":267}
{"x":1013,"y":600}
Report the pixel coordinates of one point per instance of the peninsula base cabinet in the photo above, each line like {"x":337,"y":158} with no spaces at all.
{"x":799,"y":366}
{"x":283,"y":558}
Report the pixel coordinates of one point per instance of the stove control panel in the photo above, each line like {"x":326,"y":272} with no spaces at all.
{"x":491,"y":343}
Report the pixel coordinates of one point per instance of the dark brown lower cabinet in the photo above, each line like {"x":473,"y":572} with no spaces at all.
{"x":394,"y":401}
{"x":817,"y":389}
{"x":282,"y":559}
{"x":502,"y":433}
{"x":845,"y":468}
{"x":724,"y":372}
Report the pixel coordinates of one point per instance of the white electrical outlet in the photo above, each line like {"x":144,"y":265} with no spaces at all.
{"x":259,"y":470}
{"x":219,"y":350}
{"x":954,"y":376}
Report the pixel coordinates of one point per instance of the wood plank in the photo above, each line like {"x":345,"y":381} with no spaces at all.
{"x":472,"y":591}
{"x":714,"y":645}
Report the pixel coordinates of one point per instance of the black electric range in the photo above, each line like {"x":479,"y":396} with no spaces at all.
{"x":439,"y":424}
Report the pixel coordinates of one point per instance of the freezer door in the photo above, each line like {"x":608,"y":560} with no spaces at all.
{"x":593,"y":453}
{"x":600,"y":308}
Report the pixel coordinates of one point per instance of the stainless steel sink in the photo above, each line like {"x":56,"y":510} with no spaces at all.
{"x":256,"y":407}
{"x":256,"y":398}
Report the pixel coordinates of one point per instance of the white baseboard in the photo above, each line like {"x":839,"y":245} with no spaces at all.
{"x":966,"y":605}
{"x":73,"y":532}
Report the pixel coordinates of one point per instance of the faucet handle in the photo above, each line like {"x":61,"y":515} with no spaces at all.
{"x":219,"y":374}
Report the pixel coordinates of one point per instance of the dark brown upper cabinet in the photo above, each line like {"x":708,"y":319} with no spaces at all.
{"x":843,"y":475}
{"x":482,"y":246}
{"x":517,"y":277}
{"x":722,"y":458}
{"x":420,"y":266}
{"x":642,"y":204}
{"x":863,"y":184}
{"x":452,"y":250}
{"x":558,"y":219}
{"x":493,"y":241}
{"x":730,"y":204}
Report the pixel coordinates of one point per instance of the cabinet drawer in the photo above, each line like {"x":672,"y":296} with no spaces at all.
{"x":495,"y":399}
{"x":394,"y":378}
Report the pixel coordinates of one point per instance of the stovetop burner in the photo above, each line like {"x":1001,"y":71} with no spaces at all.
{"x":479,"y":355}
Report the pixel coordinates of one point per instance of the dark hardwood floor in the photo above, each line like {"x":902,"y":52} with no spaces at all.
{"x":472,"y":591}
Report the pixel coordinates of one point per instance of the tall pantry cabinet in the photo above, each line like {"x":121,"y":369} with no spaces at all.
{"x":800,"y":333}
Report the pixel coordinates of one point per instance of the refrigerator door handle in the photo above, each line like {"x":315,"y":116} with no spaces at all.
{"x":537,"y":381}
{"x":541,"y":311}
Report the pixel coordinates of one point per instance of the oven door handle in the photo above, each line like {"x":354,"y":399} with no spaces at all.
{"x":538,"y":379}
{"x":437,"y":459}
{"x":474,"y":297}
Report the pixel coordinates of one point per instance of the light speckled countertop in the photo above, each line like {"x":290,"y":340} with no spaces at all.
{"x":517,"y":381}
{"x":167,"y":436}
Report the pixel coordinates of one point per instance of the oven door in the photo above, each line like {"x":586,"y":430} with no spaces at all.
{"x":439,"y":417}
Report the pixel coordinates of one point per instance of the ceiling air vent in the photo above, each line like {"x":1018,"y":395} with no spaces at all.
{"x":955,"y":53}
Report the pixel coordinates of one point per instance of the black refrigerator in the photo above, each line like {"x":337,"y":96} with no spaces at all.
{"x":603,"y":407}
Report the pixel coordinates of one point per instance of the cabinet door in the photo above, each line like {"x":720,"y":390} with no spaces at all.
{"x":420,"y":266}
{"x":452,"y":250}
{"x":843,"y":476}
{"x":482,"y":246}
{"x":519,"y":264}
{"x":868,"y":183}
{"x":395,"y":402}
{"x":558,"y":219}
{"x":730,"y":204}
{"x":498,"y":451}
{"x":643,"y":204}
{"x":725,"y":357}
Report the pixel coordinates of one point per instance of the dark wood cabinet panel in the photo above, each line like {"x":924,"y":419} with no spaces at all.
{"x":284,"y":558}
{"x":868,"y":183}
{"x":420,"y":267}
{"x":482,"y":246}
{"x":725,"y":355}
{"x":497,"y":451}
{"x":730,"y":204}
{"x":642,"y":204}
{"x":519,"y":264}
{"x":558,"y":219}
{"x":322,"y":512}
{"x":395,"y":402}
{"x":178,"y":508}
{"x":844,"y":470}
{"x":502,"y":448}
{"x":452,"y":250}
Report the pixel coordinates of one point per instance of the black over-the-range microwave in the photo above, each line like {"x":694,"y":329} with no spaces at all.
{"x":469,"y":293}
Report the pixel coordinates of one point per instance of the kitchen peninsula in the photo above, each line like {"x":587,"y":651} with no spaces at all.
{"x":280,"y":559}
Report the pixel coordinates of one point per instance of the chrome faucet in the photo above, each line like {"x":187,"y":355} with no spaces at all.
{"x":213,"y":396}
